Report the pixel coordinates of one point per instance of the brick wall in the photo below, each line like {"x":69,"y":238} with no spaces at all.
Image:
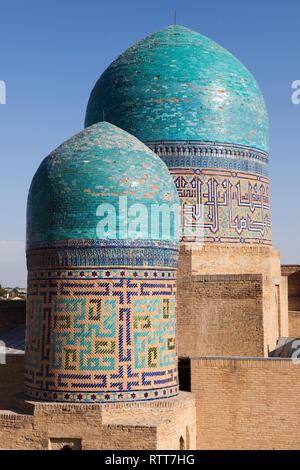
{"x":288,"y":269}
{"x":246,"y":403}
{"x":236,"y":260}
{"x":294,"y":324}
{"x":294,"y":292}
{"x":223,"y":315}
{"x":11,"y":379}
{"x":292,"y":274}
{"x":230,"y":301}
{"x":284,"y":313}
{"x":145,"y":425}
{"x":12,"y":314}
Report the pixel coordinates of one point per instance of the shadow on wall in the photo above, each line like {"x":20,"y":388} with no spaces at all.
{"x":12,"y":314}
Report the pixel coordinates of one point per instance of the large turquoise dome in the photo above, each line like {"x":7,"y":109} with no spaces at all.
{"x":179,"y":85}
{"x":97,"y":166}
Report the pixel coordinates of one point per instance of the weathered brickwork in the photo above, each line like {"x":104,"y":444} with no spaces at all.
{"x":240,"y":311}
{"x":246,"y":403}
{"x":235,"y":260}
{"x":225,"y":316}
{"x":294,"y":324}
{"x":11,"y":379}
{"x":292,"y":275}
{"x":139,"y":426}
{"x":288,"y":269}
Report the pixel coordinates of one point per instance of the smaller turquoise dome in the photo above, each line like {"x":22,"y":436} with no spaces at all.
{"x":101,"y":165}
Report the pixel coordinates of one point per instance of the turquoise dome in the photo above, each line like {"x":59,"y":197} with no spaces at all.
{"x":92,"y":168}
{"x":179,"y":85}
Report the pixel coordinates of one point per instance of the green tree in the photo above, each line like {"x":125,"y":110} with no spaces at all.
{"x":2,"y":291}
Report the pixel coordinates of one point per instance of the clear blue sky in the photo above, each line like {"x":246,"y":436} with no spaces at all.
{"x":52,"y":52}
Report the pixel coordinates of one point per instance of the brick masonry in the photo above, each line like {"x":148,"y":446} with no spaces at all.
{"x":292,"y":274}
{"x":246,"y":403}
{"x":240,"y":311}
{"x":11,"y":379}
{"x":148,"y":425}
{"x":294,"y":324}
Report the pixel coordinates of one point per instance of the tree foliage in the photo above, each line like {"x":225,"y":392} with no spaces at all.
{"x":2,"y":291}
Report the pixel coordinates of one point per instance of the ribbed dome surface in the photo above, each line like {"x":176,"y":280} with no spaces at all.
{"x":179,"y":85}
{"x":96,"y":166}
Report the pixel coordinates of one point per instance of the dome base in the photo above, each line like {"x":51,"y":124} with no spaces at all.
{"x":163,"y":424}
